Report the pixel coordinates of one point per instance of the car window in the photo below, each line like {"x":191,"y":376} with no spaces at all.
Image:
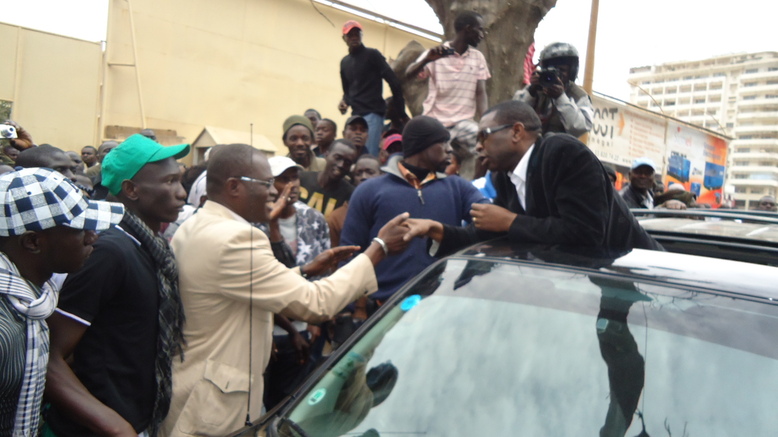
{"x":484,"y":348}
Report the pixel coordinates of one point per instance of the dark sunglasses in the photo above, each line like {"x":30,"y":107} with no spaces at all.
{"x":483,"y":134}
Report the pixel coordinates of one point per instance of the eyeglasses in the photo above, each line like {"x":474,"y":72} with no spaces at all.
{"x":268,"y":183}
{"x":483,"y":134}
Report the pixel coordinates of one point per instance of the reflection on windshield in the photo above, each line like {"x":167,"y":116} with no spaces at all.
{"x":626,"y":368}
{"x":348,"y":392}
{"x":509,"y":349}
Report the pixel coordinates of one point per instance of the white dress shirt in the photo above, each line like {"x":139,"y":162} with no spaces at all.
{"x":519,"y":177}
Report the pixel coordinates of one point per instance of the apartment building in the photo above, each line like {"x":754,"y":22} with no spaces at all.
{"x":736,"y":95}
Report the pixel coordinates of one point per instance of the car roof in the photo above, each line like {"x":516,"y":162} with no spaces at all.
{"x":721,"y":228}
{"x":750,"y":236}
{"x":741,"y":224}
{"x":721,"y":276}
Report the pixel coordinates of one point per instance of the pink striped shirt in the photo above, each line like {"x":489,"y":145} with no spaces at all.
{"x":453,"y":79}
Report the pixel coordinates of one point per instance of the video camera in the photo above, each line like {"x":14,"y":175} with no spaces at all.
{"x":548,"y":76}
{"x":7,"y":131}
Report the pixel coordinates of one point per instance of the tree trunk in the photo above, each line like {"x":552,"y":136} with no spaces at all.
{"x":511,"y":28}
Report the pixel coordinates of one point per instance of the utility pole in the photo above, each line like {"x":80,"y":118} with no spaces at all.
{"x":589,"y":71}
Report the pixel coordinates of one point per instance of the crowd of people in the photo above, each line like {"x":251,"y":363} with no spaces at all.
{"x":212,"y":291}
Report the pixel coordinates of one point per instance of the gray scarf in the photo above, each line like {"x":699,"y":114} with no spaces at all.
{"x":170,"y":341}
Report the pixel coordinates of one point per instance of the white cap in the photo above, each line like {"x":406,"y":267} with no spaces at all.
{"x":643,"y":161}
{"x":279,"y":164}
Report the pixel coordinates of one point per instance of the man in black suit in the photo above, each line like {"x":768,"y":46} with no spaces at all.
{"x":550,"y":190}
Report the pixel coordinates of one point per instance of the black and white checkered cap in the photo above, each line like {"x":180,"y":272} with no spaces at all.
{"x":34,"y":199}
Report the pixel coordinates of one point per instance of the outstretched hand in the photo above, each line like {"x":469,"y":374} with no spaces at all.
{"x":419,"y":228}
{"x":329,"y":260}
{"x":393,"y":233}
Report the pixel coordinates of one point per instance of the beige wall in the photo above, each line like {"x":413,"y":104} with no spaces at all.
{"x":229,"y":63}
{"x":54,"y":84}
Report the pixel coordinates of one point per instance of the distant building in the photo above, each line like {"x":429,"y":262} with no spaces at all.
{"x":186,"y":69}
{"x":736,"y":95}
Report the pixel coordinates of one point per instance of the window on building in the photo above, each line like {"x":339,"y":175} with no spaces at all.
{"x":751,"y":71}
{"x":764,"y":177}
{"x":772,"y":69}
{"x":765,"y":163}
{"x":749,"y":84}
{"x":772,"y":82}
{"x":730,"y":125}
{"x":741,"y":163}
{"x":743,"y":149}
{"x":740,"y":204}
{"x":741,"y":190}
{"x":771,"y":96}
{"x":719,"y":74}
{"x":701,"y":100}
{"x":749,"y":97}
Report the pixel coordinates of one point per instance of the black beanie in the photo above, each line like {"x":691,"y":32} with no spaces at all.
{"x":422,"y":132}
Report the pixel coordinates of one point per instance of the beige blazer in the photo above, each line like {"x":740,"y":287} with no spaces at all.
{"x":230,"y":286}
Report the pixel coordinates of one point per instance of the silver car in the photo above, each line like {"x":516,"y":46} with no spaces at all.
{"x":502,"y":340}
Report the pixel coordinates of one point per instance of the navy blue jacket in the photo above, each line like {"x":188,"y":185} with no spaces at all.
{"x":378,"y":200}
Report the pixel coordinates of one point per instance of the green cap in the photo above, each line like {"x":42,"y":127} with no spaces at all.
{"x":295,"y":120}
{"x":125,"y":161}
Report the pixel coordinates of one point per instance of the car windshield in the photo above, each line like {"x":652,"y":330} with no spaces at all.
{"x":483,"y":348}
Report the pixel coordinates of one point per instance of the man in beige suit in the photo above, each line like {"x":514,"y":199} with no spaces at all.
{"x":230,"y":287}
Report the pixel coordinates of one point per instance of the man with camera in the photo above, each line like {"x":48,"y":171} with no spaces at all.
{"x":457,"y":73}
{"x":561,"y":104}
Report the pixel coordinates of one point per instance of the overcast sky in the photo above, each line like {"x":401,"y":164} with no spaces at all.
{"x":630,"y":33}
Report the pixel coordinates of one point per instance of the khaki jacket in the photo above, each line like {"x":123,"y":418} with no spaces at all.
{"x":230,"y":286}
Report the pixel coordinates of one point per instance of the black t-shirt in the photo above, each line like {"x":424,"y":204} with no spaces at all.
{"x":319,"y":198}
{"x":362,"y":73}
{"x":117,"y":292}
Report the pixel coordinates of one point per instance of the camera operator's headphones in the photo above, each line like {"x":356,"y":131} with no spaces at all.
{"x":560,"y":53}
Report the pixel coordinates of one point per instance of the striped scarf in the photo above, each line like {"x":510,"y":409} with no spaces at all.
{"x":170,"y":340}
{"x":35,"y":309}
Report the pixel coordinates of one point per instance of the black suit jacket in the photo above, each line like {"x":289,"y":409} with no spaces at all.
{"x":569,"y":200}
